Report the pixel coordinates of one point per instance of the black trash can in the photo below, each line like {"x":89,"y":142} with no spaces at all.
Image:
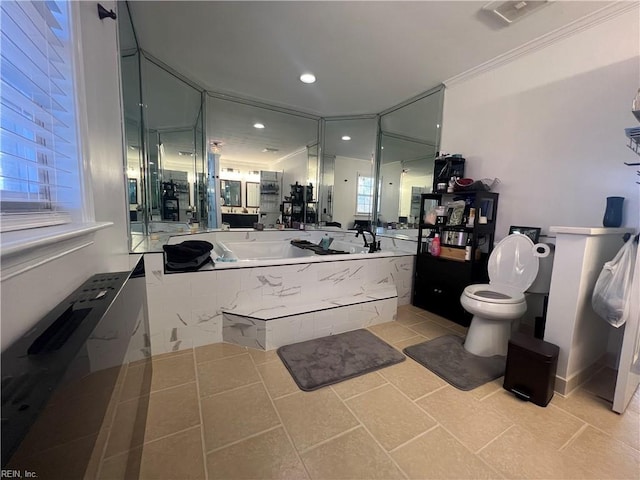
{"x":531,"y":368}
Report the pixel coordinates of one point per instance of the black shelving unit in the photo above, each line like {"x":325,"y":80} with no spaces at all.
{"x":300,"y":208}
{"x":298,"y":212}
{"x":439,"y":281}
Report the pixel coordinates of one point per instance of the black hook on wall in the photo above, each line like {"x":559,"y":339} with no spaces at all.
{"x":104,"y":13}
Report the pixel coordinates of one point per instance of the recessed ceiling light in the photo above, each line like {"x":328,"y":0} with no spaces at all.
{"x":346,"y":138}
{"x":270,"y":150}
{"x":258,"y":125}
{"x":307,"y":78}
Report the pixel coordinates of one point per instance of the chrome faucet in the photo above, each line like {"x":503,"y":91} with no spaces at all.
{"x":373,"y":246}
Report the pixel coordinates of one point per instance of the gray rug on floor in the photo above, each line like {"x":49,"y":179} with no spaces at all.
{"x":446,"y":357}
{"x":324,"y":361}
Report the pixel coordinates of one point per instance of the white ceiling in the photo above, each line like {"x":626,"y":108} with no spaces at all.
{"x":367,"y":56}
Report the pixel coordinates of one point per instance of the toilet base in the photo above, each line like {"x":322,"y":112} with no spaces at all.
{"x":487,"y":337}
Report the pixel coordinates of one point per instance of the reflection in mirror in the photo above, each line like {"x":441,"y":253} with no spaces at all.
{"x":409,"y":141}
{"x":230,"y":190}
{"x":253,"y":194}
{"x":347,"y":173}
{"x":133,"y":191}
{"x":164,"y":137}
{"x":406,"y":171}
{"x":263,"y":146}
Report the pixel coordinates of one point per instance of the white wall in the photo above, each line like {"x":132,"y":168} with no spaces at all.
{"x":550,"y":125}
{"x":295,"y":168}
{"x":571,"y":322}
{"x":344,"y":191}
{"x":391,"y":174}
{"x":27,"y":297}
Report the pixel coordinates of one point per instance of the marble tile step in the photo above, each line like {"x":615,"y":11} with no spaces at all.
{"x":263,"y":311}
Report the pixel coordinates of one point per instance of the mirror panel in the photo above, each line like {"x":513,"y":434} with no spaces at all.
{"x":231,"y":192}
{"x":347,"y":171}
{"x":253,"y":194}
{"x":409,"y":142}
{"x":280,"y":154}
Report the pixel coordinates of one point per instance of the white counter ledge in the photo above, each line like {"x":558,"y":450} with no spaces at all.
{"x":590,"y":231}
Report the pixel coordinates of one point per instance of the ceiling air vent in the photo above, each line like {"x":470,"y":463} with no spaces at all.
{"x":513,"y":10}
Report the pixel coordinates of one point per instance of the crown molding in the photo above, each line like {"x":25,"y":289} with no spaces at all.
{"x":595,"y":18}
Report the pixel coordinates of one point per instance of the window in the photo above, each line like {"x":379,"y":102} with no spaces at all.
{"x":39,"y":167}
{"x":364,"y":195}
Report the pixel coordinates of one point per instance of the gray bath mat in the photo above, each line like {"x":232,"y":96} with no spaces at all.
{"x":324,"y":361}
{"x":446,"y":357}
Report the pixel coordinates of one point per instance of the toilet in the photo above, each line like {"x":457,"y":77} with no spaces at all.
{"x":512,"y":269}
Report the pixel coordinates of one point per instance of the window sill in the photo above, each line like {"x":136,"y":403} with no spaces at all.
{"x":24,"y":250}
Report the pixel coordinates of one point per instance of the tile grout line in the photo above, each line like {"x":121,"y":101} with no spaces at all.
{"x":565,"y":445}
{"x":284,"y":428}
{"x":233,"y":355}
{"x":593,"y":426}
{"x":229,"y":390}
{"x":167,"y":388}
{"x":330,"y":439}
{"x":377,"y":387}
{"x":384,"y":450}
{"x":202,"y":445}
{"x":494,"y":439}
{"x":141,"y":445}
{"x":192,"y":427}
{"x":222,"y":358}
{"x":490,"y":394}
{"x":429,"y":393}
{"x":398,"y":447}
{"x":240,"y":440}
{"x":449,"y":431}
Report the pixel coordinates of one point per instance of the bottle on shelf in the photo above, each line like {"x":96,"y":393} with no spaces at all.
{"x":472,"y":217}
{"x":435,"y":246}
{"x":467,"y":249}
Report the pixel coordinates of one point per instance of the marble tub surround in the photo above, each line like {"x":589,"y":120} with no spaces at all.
{"x":186,"y":309}
{"x":270,"y":325}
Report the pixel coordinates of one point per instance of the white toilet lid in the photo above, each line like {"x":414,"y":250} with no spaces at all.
{"x":512,"y":263}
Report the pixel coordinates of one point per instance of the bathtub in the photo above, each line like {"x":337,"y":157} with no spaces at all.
{"x":264,"y":250}
{"x":278,"y":250}
{"x":269,"y":293}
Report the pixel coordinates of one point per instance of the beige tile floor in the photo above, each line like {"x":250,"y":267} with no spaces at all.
{"x":228,"y":412}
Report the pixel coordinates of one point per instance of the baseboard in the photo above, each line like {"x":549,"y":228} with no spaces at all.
{"x":565,"y":386}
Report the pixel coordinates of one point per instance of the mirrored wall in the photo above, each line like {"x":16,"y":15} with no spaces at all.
{"x":409,"y":142}
{"x":198,"y":159}
{"x":263,"y":154}
{"x":348,"y":171}
{"x":164,"y":134}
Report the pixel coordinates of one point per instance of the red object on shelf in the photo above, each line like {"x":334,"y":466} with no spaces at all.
{"x":435,"y":246}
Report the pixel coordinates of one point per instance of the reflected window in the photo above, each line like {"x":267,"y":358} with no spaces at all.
{"x":364,"y":195}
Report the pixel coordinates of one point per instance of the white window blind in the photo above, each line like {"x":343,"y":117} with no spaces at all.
{"x":364,"y":195}
{"x":39,"y":167}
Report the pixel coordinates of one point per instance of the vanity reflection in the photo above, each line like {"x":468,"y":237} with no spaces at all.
{"x":230,"y":190}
